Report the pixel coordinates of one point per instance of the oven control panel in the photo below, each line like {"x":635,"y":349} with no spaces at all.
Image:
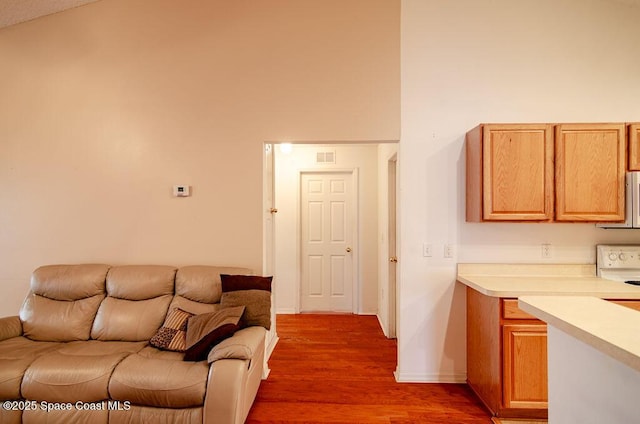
{"x":620,"y":256}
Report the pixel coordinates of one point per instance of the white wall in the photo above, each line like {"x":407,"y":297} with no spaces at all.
{"x":104,"y":107}
{"x":360,"y":157}
{"x":587,"y":386}
{"x":465,"y":62}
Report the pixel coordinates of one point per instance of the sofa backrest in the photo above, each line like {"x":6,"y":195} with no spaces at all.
{"x":63,"y":302}
{"x":124,"y":303}
{"x":138,"y":297}
{"x":198,"y":288}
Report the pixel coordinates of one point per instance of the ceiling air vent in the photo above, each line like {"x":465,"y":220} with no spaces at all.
{"x":326,"y":157}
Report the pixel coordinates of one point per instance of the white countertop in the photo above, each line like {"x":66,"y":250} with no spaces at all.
{"x":610,"y":328}
{"x":515,"y":280}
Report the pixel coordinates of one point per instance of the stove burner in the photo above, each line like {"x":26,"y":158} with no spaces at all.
{"x":634,"y":282}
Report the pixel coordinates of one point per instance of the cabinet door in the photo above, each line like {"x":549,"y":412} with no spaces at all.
{"x":590,"y":172}
{"x":633,"y":304}
{"x":524,"y":366}
{"x":634,"y":147}
{"x":517,"y":172}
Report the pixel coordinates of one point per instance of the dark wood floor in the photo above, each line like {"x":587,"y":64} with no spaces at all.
{"x":339,"y":369}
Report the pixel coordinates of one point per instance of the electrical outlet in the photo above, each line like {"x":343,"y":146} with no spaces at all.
{"x":448,"y":250}
{"x":427,"y":250}
{"x":546,"y":250}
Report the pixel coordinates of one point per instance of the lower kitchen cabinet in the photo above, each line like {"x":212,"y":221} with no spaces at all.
{"x":524,"y":365}
{"x":633,"y":304}
{"x":506,"y":357}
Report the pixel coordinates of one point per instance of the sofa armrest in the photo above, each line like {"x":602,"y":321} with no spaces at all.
{"x":233,"y":383}
{"x":242,"y":345}
{"x":10,"y":327}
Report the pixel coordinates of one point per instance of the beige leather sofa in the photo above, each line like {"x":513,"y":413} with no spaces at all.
{"x":79,"y":351}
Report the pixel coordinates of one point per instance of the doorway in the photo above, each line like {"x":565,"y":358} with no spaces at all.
{"x":369,"y":256}
{"x":327,"y":223}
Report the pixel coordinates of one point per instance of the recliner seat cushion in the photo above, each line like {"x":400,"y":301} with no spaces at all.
{"x":145,"y":414}
{"x":75,"y":416}
{"x":159,"y":378}
{"x":16,"y":354}
{"x":78,"y":371}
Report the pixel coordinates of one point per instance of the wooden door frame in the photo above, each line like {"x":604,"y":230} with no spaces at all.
{"x":268,"y":240}
{"x":392,"y":203}
{"x":355,"y":296}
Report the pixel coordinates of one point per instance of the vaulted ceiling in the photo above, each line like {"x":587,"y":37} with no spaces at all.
{"x":16,"y":11}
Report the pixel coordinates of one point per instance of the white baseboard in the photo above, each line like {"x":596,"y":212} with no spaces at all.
{"x":384,"y":330}
{"x":429,"y":378}
{"x":272,"y":345}
{"x":292,"y":311}
{"x":267,"y":354}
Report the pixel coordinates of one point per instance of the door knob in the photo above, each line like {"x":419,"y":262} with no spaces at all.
{"x":393,"y":259}
{"x":348,"y":249}
{"x":273,"y":210}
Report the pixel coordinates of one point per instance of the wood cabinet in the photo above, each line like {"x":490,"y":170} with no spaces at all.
{"x":546,"y":172}
{"x":506,"y":357}
{"x":590,"y":172}
{"x":634,"y":147}
{"x":633,"y":304}
{"x":524,"y":365}
{"x":510,"y":173}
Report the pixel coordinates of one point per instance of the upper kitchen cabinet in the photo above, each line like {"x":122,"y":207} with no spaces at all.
{"x":590,"y":172}
{"x":634,"y":147}
{"x":510,"y":172}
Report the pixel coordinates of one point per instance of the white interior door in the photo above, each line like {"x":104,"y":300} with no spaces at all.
{"x":327,"y":225}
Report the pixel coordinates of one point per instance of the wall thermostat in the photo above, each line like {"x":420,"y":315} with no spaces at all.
{"x":181,"y":191}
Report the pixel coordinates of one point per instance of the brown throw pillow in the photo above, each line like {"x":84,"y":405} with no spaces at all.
{"x":251,"y":291}
{"x":172,"y":334}
{"x":204,"y":331}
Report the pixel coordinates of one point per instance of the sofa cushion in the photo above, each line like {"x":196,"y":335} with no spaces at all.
{"x":140,"y":282}
{"x":129,"y":320}
{"x":75,"y":416}
{"x":251,"y":291}
{"x":76,"y":371}
{"x":45,"y":319}
{"x":10,"y":416}
{"x":202,"y":283}
{"x":138,"y":297}
{"x":63,"y":302}
{"x":145,"y":414}
{"x":16,"y":354}
{"x":172,"y":334}
{"x":195,"y":308}
{"x":153,"y":377}
{"x":69,"y":282}
{"x":207,"y":330}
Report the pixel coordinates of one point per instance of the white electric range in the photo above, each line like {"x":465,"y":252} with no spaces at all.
{"x":619,"y":262}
